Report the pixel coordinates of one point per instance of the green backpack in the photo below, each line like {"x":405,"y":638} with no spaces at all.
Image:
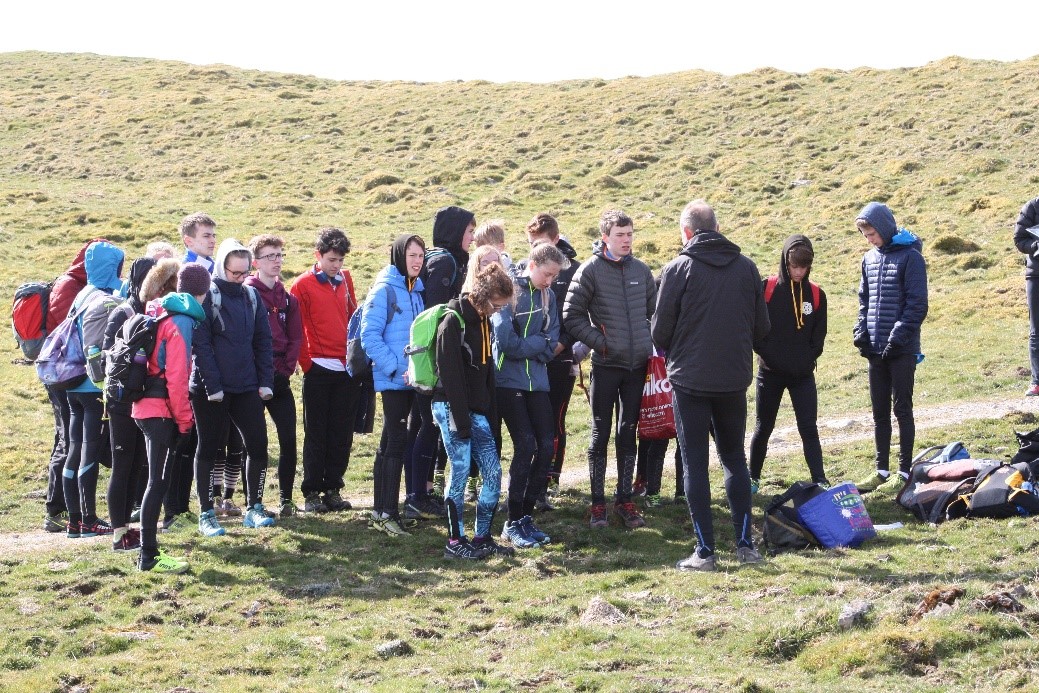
{"x":422,"y":351}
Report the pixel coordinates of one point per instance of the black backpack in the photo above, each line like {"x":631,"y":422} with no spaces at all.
{"x":126,"y":370}
{"x":1001,"y":490}
{"x":782,"y":529}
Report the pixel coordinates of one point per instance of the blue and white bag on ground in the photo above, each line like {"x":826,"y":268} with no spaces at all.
{"x":838,"y":517}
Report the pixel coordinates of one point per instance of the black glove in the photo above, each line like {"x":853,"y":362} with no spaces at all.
{"x":891,"y":351}
{"x":861,"y":341}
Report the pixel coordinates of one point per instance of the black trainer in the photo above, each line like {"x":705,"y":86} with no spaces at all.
{"x":462,"y":550}
{"x":491,"y":547}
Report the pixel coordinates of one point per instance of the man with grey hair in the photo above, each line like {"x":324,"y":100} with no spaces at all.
{"x":710,"y":310}
{"x":608,"y":307}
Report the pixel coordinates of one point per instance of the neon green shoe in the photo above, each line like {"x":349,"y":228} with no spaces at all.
{"x":872,"y":482}
{"x":163,"y":564}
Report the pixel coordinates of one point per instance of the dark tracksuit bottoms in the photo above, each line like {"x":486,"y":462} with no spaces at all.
{"x":805,"y":399}
{"x":129,"y":462}
{"x":245,"y":412}
{"x":59,"y":452}
{"x":85,"y":446}
{"x":528,"y":416}
{"x":891,"y":380}
{"x":610,"y":387}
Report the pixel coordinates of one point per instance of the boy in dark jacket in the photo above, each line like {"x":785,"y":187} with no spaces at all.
{"x":787,"y":356}
{"x":892,"y":306}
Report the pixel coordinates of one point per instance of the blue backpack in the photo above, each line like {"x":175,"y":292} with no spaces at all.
{"x":357,"y":362}
{"x":62,"y":365}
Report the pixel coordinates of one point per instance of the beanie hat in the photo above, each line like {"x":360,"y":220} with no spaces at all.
{"x":193,"y":279}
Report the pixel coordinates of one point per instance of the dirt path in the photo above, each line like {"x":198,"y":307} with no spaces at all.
{"x":833,"y":431}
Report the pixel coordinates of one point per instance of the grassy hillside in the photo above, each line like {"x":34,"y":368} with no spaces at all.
{"x":123,"y":148}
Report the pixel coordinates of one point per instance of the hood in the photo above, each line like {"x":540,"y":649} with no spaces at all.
{"x":599,"y":248}
{"x":391,"y":276}
{"x":711,"y":248}
{"x":449,"y":226}
{"x":159,"y":278}
{"x":877,"y":215}
{"x":77,"y":270}
{"x":138,"y":271}
{"x":226,"y":247}
{"x":565,"y":248}
{"x":905,"y":237}
{"x":398,"y":255}
{"x":103,"y":263}
{"x":182,"y":304}
{"x":790,"y":243}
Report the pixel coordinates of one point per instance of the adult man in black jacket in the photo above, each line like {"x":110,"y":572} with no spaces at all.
{"x":608,"y":307}
{"x":710,"y":311}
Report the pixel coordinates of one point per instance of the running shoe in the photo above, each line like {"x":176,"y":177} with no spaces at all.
{"x":599,"y":518}
{"x":387,"y":524}
{"x":335,"y":502}
{"x":748,"y":554}
{"x":872,"y":482}
{"x":543,"y":504}
{"x":288,"y":508}
{"x":629,"y":515}
{"x":553,"y":487}
{"x":208,"y":526}
{"x":257,"y":516}
{"x":472,"y":489}
{"x":516,"y":534}
{"x":638,"y":488}
{"x":755,"y":486}
{"x":96,"y":528}
{"x":131,"y":541}
{"x":417,"y":509}
{"x":680,"y":499}
{"x":654,"y":500}
{"x":697,"y":562}
{"x":314,"y":504}
{"x":162,"y":564}
{"x":491,"y":547}
{"x":183,"y":522}
{"x":135,"y":516}
{"x":228,"y":508}
{"x":56,"y":523}
{"x":72,"y":530}
{"x":460,"y":549}
{"x":533,"y":532}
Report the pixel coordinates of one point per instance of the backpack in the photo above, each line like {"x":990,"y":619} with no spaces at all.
{"x":214,"y":293}
{"x":773,"y":280}
{"x":434,"y":253}
{"x":937,"y":476}
{"x":357,"y":361}
{"x":1001,"y":490}
{"x":29,"y":317}
{"x":782,"y":529}
{"x":62,"y":365}
{"x":422,"y":349}
{"x":126,"y":371}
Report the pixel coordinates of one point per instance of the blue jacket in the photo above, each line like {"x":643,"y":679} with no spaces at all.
{"x":236,"y":357}
{"x":103,"y":263}
{"x":525,"y":337}
{"x":892,"y":288}
{"x":384,"y":339}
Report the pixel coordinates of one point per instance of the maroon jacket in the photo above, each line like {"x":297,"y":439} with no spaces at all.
{"x":286,"y":324}
{"x":65,"y":288}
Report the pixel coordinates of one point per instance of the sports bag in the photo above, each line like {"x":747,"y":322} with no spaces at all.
{"x":657,"y":415}
{"x":357,"y":361}
{"x":422,"y":349}
{"x":62,"y":365}
{"x":837,"y":517}
{"x":938,"y":475}
{"x":1002,"y":490}
{"x":126,"y":369}
{"x":782,"y":529}
{"x":29,"y":317}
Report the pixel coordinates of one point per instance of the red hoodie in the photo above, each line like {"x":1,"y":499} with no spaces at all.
{"x":66,"y":287}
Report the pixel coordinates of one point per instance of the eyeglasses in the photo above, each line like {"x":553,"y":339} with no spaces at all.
{"x":271,"y":256}
{"x":498,"y":306}
{"x":236,"y":275}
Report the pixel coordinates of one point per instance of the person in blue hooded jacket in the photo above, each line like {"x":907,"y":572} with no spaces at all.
{"x":87,"y":433}
{"x":392,"y":305}
{"x":526,"y":337}
{"x":892,"y":307}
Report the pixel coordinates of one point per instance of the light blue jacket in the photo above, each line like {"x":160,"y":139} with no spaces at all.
{"x":525,"y":337}
{"x":384,"y":338}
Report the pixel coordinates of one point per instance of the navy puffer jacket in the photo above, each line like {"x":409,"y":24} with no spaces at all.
{"x":892,"y":288}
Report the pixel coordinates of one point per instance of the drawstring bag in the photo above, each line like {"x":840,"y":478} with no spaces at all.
{"x":838,"y":517}
{"x":657,"y":416}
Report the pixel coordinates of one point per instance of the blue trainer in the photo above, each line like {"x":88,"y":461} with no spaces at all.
{"x":516,"y":534}
{"x":257,"y":516}
{"x":533,"y":532}
{"x":208,"y":526}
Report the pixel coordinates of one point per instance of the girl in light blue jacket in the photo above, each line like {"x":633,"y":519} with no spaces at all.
{"x":392,"y":304}
{"x":526,"y":338}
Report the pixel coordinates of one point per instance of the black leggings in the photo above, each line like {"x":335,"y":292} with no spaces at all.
{"x":181,"y":474}
{"x":80,"y":473}
{"x":805,"y":400}
{"x":161,"y":438}
{"x":892,"y":380}
{"x":59,"y":452}
{"x":561,"y":387}
{"x":694,"y":415}
{"x":528,"y":416}
{"x":621,"y":388}
{"x":245,"y":411}
{"x":129,"y":463}
{"x":229,"y":463}
{"x":282,"y":409}
{"x":426,"y":446}
{"x":389,"y":463}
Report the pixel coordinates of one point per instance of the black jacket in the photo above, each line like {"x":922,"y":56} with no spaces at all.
{"x":798,"y":331}
{"x":444,"y":272}
{"x":608,"y":307}
{"x":1026,"y":242}
{"x":466,"y":373}
{"x":710,"y":311}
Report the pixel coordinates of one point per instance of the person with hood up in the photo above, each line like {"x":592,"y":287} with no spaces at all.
{"x":392,"y":305}
{"x":608,"y":306}
{"x":87,"y":435}
{"x":129,"y":454}
{"x":233,"y":375}
{"x":710,"y":312}
{"x":892,"y":307}
{"x":63,"y":293}
{"x":286,"y":338}
{"x":787,"y":356}
{"x":442,"y":279}
{"x":164,"y":414}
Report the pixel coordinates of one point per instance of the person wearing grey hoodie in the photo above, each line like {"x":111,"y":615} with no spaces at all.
{"x":892,"y":307}
{"x":233,"y":374}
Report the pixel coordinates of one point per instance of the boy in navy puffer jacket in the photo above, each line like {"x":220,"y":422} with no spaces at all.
{"x":892,"y":306}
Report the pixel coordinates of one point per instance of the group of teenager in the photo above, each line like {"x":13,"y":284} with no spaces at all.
{"x":508,"y":351}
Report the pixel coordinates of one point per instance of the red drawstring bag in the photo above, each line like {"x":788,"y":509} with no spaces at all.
{"x":657,"y":416}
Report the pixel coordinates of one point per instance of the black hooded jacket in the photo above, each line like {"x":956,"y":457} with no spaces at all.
{"x":710,"y":311}
{"x":443,"y":276}
{"x":798,"y":331}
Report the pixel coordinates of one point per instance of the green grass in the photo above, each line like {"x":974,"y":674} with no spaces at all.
{"x":123,"y":148}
